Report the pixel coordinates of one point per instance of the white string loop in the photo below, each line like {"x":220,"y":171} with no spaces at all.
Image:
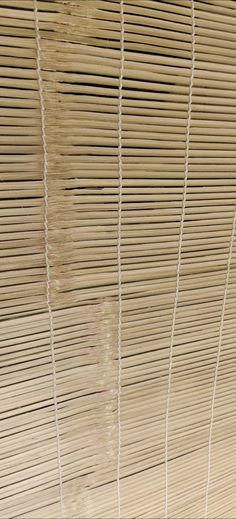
{"x":218,"y":363}
{"x":119,"y":230}
{"x":179,"y":260}
{"x":47,"y":261}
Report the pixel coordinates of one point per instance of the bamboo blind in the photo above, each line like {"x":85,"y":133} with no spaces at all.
{"x":118,"y":259}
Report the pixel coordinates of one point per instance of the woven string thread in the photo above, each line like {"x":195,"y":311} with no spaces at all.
{"x":47,"y":261}
{"x":218,"y":363}
{"x":120,"y":172}
{"x":179,"y":259}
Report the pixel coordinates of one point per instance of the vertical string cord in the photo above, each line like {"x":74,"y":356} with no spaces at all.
{"x":120,"y":172}
{"x":218,"y":362}
{"x":179,"y":260}
{"x":47,"y":262}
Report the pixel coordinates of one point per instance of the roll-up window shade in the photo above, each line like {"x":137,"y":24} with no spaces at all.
{"x":118,"y":257}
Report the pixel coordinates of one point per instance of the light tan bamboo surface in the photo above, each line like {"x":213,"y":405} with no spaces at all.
{"x":118,"y":259}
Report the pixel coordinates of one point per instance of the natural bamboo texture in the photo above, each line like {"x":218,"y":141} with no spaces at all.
{"x":118,"y":259}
